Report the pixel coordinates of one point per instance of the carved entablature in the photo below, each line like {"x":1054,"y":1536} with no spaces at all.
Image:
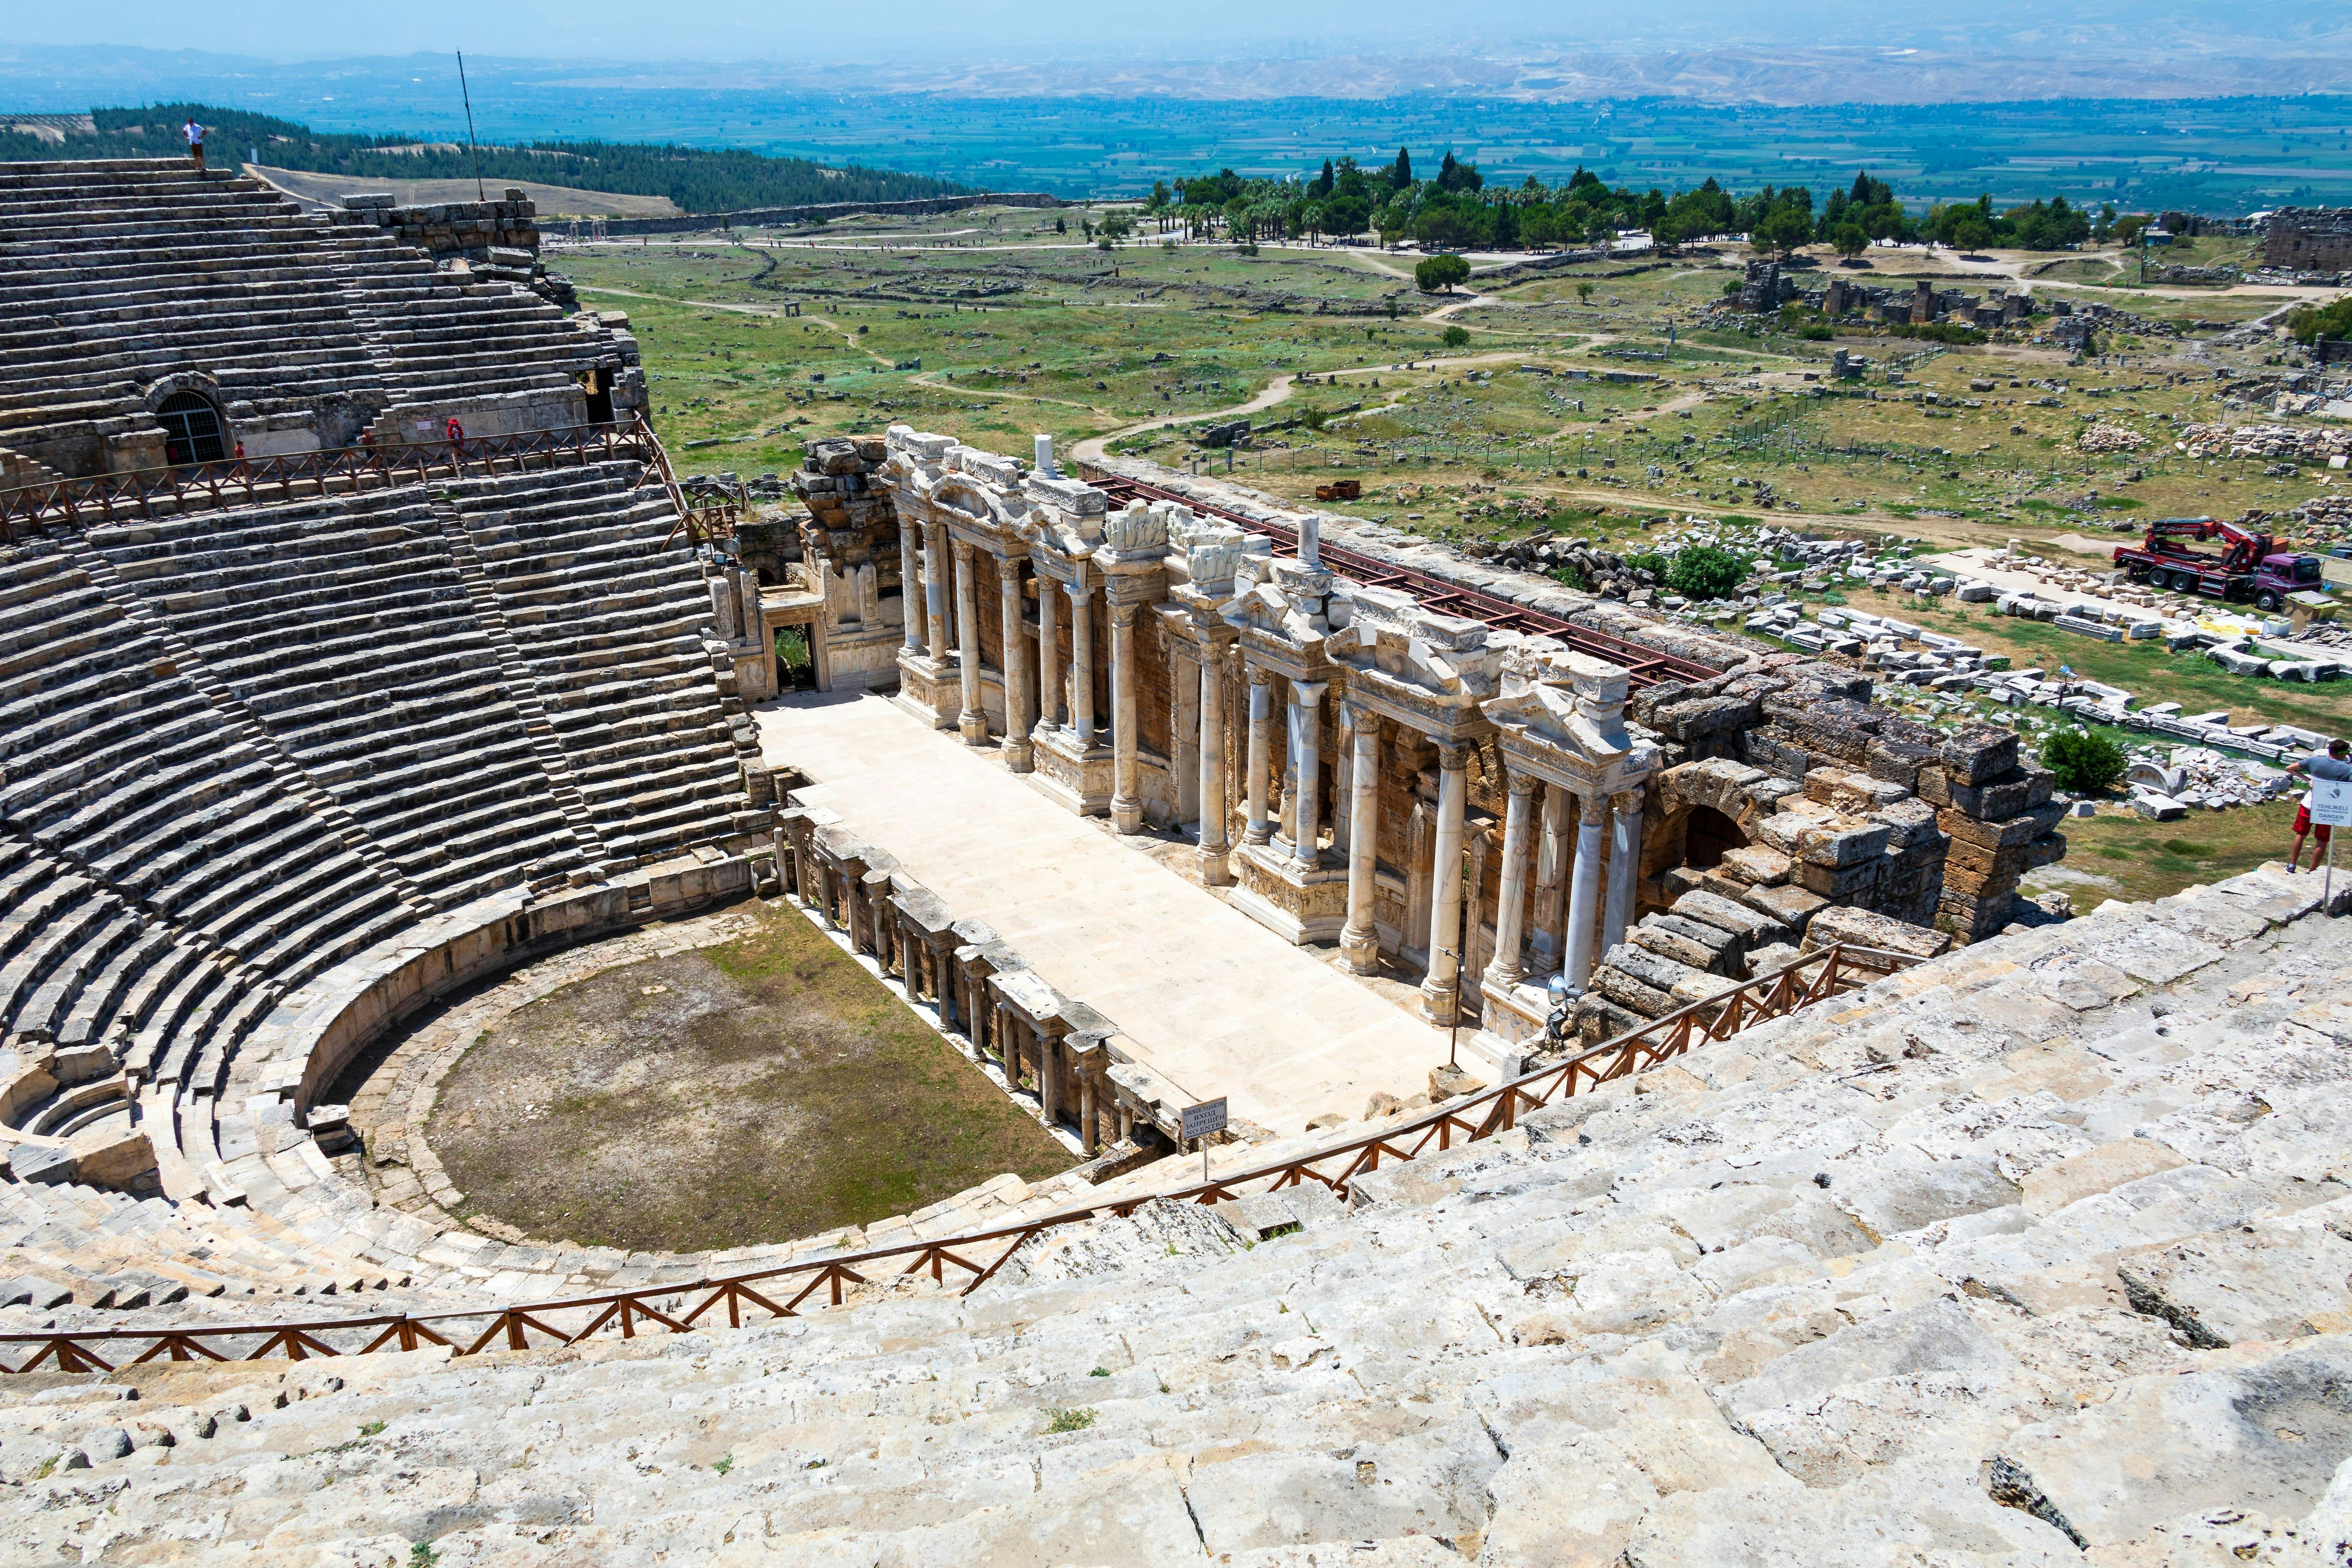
{"x":1137,"y":532}
{"x":1428,"y":670}
{"x":1066,"y":522}
{"x":1213,"y":554}
{"x":979,"y":495}
{"x":1561,"y":715}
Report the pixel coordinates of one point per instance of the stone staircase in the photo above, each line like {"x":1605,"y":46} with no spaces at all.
{"x":2033,"y":1254}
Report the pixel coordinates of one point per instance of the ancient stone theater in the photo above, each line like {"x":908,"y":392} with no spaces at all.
{"x":1535,"y":1081}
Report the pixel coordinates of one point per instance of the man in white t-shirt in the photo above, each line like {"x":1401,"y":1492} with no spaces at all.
{"x":196,"y":135}
{"x":2336,"y":765}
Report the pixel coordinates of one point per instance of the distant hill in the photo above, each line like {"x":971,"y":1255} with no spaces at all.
{"x":697,"y":180}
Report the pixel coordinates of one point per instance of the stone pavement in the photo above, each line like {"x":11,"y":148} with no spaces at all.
{"x":1202,"y":994}
{"x":2033,"y":1256}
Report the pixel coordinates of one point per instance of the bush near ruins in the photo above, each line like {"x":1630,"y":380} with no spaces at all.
{"x":2084,"y":763}
{"x":1438,"y":272}
{"x":2313,"y":322}
{"x":1456,"y":337}
{"x":1707,"y":572}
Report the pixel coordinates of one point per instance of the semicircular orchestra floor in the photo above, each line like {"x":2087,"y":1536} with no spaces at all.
{"x":716,"y":1083}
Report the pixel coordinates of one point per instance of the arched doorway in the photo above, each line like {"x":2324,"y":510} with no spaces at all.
{"x":192,"y":429}
{"x":1709,"y":836}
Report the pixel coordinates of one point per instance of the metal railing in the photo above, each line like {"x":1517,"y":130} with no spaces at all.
{"x":149,"y":493}
{"x":784,"y":1291}
{"x":1646,"y":666}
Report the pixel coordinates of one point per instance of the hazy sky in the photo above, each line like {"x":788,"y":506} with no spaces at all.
{"x":738,"y":29}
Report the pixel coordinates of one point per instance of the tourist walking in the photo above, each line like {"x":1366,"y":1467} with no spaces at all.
{"x":196,"y":135}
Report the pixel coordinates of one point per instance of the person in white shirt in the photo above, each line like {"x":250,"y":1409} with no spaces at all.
{"x":196,"y":135}
{"x":2336,"y":765}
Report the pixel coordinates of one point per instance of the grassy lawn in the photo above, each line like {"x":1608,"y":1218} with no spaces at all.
{"x":2119,"y":854}
{"x":990,"y":327}
{"x":755,"y":1091}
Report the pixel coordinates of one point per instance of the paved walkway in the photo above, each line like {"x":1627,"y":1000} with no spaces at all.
{"x":1203,"y":996}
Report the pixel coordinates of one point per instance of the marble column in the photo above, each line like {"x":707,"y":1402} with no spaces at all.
{"x":1584,"y":888}
{"x":1126,"y":795}
{"x":1440,"y":989}
{"x":1215,"y":853}
{"x":1184,"y":727}
{"x":935,"y":591}
{"x":972,"y":723}
{"x":1090,"y":1134}
{"x":1624,"y":866}
{"x":1306,"y":767}
{"x":1261,"y":720}
{"x":1343,"y":778}
{"x":1049,"y":657}
{"x":1018,"y":755}
{"x":1546,"y":946}
{"x":1511,"y":908}
{"x":1049,"y":1073}
{"x":907,"y":551}
{"x":1360,"y":942}
{"x":1082,"y":660}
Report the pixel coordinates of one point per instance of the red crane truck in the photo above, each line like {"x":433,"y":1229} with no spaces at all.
{"x":2248,"y":569}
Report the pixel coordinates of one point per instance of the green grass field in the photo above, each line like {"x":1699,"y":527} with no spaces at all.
{"x":1575,"y":412}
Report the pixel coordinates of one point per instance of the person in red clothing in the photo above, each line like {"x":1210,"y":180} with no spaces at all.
{"x":456,"y":431}
{"x":2336,"y":765}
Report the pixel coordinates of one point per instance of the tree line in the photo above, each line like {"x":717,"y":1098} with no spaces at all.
{"x":1456,"y":209}
{"x":699,"y":180}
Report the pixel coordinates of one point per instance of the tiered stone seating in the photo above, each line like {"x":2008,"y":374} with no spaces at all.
{"x":343,"y":624}
{"x":253,"y":761}
{"x":117,"y":274}
{"x":167,"y":889}
{"x":441,"y":339}
{"x":601,"y":613}
{"x":2035,"y":1255}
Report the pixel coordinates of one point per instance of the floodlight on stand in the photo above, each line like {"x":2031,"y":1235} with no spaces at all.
{"x":1559,"y":990}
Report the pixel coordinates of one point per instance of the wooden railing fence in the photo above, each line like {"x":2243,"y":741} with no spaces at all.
{"x":786,"y":1292}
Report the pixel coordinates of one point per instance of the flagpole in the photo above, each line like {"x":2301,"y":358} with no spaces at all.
{"x":471,"y":145}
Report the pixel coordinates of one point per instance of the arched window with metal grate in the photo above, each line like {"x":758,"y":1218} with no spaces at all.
{"x":192,"y":429}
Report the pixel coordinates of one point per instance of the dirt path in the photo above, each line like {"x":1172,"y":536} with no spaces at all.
{"x":1277,"y":392}
{"x":928,"y":379}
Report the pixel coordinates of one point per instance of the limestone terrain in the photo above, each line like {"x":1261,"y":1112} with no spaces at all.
{"x":2034,"y":1254}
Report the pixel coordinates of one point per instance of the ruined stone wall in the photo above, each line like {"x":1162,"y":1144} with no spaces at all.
{"x":470,"y":229}
{"x":1964,"y":820}
{"x":848,"y":549}
{"x":2317,"y":240}
{"x":771,"y":217}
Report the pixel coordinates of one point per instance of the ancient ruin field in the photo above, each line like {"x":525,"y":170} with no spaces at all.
{"x":992,"y":326}
{"x":760,"y":1089}
{"x":1590,"y":400}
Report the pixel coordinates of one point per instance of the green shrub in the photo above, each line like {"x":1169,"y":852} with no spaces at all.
{"x":1456,"y":337}
{"x":1069,"y":1420}
{"x":1649,"y":561}
{"x":1707,"y":572}
{"x":2084,"y":762}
